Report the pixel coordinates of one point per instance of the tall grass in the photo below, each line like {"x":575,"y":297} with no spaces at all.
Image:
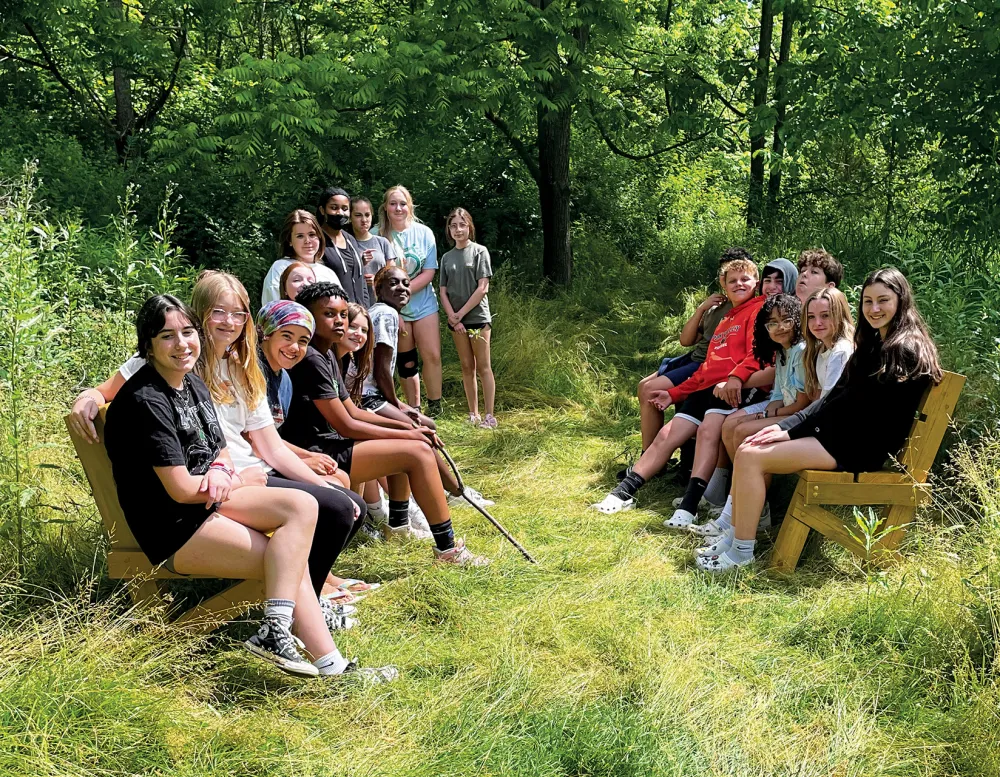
{"x":611,"y":657}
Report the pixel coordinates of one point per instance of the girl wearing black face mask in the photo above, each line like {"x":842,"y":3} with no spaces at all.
{"x":342,"y":254}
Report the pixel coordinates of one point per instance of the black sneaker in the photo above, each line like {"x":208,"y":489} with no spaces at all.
{"x":371,"y":531}
{"x":367,"y":675}
{"x":276,"y":644}
{"x":335,"y":615}
{"x":433,"y":408}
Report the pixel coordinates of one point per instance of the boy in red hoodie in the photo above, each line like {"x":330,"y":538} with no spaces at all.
{"x":714,"y":391}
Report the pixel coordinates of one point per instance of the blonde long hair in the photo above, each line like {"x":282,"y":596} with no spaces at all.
{"x":840,"y":313}
{"x":242,"y":355}
{"x":384,"y":225}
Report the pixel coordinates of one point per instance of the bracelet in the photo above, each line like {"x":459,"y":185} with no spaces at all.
{"x":223,"y":467}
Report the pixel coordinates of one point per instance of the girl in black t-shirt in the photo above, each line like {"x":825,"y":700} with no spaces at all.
{"x":323,"y":417}
{"x":185,"y":506}
{"x":864,"y":419}
{"x":192,"y":512}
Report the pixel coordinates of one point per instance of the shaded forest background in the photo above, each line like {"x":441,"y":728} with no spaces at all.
{"x":854,"y":124}
{"x":607,"y":150}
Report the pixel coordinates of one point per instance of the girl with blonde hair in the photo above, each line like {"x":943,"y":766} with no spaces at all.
{"x":416,"y":251}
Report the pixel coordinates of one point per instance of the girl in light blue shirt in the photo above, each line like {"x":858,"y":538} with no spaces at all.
{"x":420,"y":332}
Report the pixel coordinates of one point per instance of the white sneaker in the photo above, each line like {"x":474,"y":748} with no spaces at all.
{"x":418,"y":521}
{"x":473,"y":496}
{"x":681,"y":519}
{"x":403,"y":534}
{"x":612,"y":504}
{"x":460,"y":556}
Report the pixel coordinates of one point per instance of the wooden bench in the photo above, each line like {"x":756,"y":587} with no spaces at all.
{"x":898,"y":494}
{"x":127,"y":562}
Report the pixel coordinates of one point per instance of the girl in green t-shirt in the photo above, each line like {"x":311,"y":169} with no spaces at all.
{"x":465,"y":282}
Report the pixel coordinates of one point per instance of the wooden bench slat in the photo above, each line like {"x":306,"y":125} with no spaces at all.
{"x":825,"y":476}
{"x":867,"y":494}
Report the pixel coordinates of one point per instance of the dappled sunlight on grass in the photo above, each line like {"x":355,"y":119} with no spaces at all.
{"x":609,"y":657}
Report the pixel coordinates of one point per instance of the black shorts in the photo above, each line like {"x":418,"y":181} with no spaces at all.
{"x":341,"y":451}
{"x":373,"y":402}
{"x":702,"y":403}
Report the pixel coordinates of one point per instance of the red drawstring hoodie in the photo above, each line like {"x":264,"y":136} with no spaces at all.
{"x":730,"y":352}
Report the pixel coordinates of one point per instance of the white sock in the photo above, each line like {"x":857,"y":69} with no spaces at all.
{"x":741,"y":550}
{"x":725,"y":519}
{"x":718,"y":486}
{"x":331,"y":663}
{"x":281,"y":610}
{"x":377,"y":510}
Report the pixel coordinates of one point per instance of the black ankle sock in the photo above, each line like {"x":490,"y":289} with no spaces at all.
{"x":627,"y":488}
{"x":399,"y":513}
{"x":444,"y":535}
{"x":695,"y":490}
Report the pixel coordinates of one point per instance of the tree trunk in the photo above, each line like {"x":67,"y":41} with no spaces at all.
{"x":755,"y":199}
{"x":554,"y":194}
{"x":124,"y":109}
{"x":781,"y":105}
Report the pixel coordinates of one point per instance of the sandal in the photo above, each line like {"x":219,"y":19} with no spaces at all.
{"x":611,"y":504}
{"x":354,"y":586}
{"x":722,"y":564}
{"x":681,"y":519}
{"x":342,"y":597}
{"x":716,"y":547}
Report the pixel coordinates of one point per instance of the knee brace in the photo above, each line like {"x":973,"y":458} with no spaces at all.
{"x":406,"y":363}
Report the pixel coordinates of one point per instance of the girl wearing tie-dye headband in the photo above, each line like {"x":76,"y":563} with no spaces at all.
{"x":285,"y":329}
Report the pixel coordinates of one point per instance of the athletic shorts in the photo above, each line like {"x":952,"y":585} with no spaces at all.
{"x":678,"y":369}
{"x":373,"y":402}
{"x":702,"y":403}
{"x":341,"y":451}
{"x":757,"y":407}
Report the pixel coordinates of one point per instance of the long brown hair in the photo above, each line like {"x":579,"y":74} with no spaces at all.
{"x":285,"y":237}
{"x":242,"y":354}
{"x":362,"y":358}
{"x":908,"y":351}
{"x":843,"y":325}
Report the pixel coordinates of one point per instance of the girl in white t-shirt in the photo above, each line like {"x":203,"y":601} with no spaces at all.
{"x":301,"y":240}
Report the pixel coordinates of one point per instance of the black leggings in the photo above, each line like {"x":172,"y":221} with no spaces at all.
{"x":335,"y":527}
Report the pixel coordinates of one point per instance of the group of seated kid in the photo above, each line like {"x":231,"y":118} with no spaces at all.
{"x":780,"y":379}
{"x":255,"y":443}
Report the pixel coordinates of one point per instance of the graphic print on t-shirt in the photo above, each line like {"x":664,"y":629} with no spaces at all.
{"x":413,"y":262}
{"x":195,"y":417}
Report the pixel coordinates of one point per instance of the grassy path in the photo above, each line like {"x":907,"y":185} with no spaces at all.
{"x":611,"y":657}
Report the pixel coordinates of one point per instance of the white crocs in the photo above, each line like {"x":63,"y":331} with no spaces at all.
{"x":703,"y":504}
{"x":611,"y":504}
{"x":721,"y":564}
{"x":681,"y":519}
{"x":709,"y":529}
